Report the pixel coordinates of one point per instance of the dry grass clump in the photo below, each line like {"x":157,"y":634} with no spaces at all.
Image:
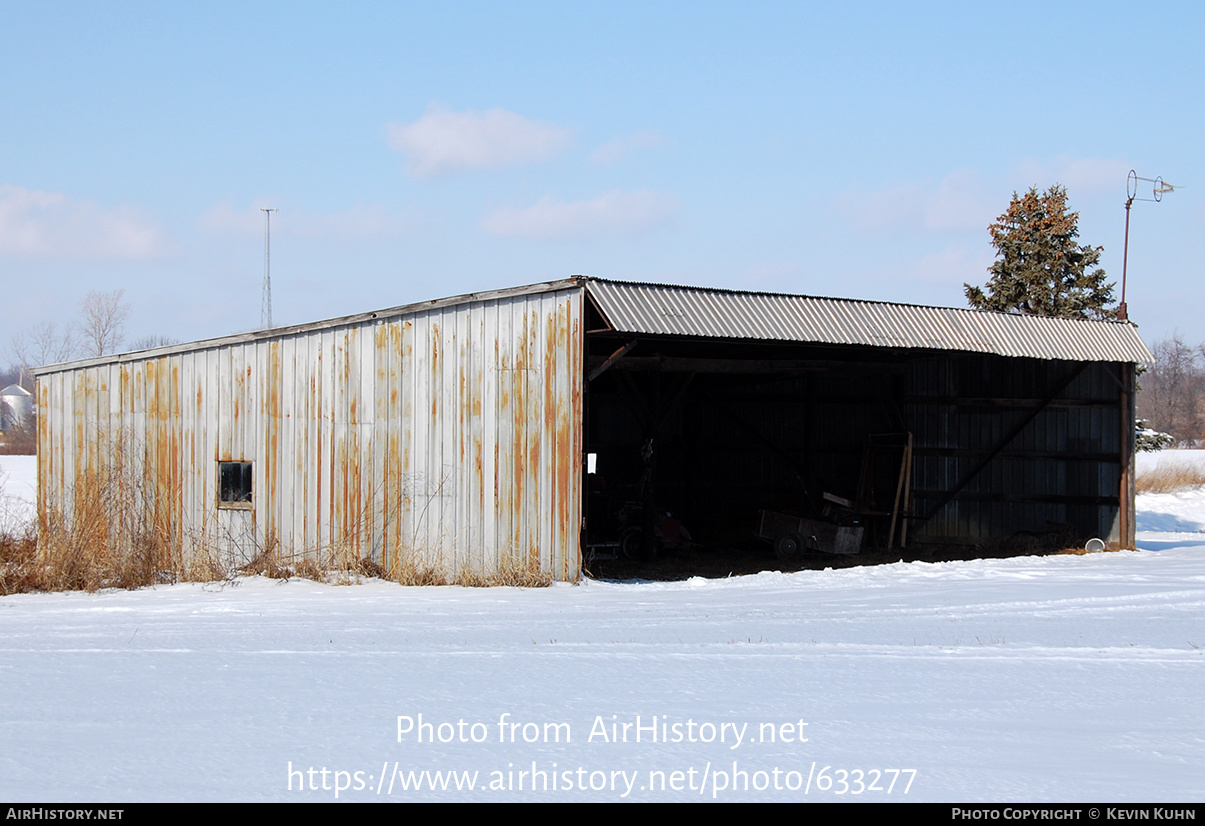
{"x":335,"y":567}
{"x":407,"y":570}
{"x":342,"y":568}
{"x":410,"y":571}
{"x":1082,"y":551}
{"x":110,"y":541}
{"x":1169,"y":477}
{"x":112,"y":535}
{"x":518,"y":575}
{"x":86,"y":558}
{"x":269,"y":564}
{"x":18,"y":552}
{"x":108,"y":533}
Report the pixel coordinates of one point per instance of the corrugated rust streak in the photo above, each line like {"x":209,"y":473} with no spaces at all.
{"x":405,"y":483}
{"x":265,"y":498}
{"x":459,"y":346}
{"x":555,"y":340}
{"x":568,"y":425}
{"x":576,"y":346}
{"x":435,"y":377}
{"x":342,"y":441}
{"x":462,"y":350}
{"x":481,"y":511}
{"x":502,"y":458}
{"x":322,"y":483}
{"x":356,"y":510}
{"x":393,"y":459}
{"x":80,"y":414}
{"x":380,"y":345}
{"x":306,"y":460}
{"x":175,"y":510}
{"x":533,"y":469}
{"x":237,"y":400}
{"x":519,"y":430}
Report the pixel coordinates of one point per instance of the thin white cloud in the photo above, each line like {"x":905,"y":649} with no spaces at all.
{"x":965,"y":200}
{"x":783,"y":276}
{"x":36,"y":224}
{"x":885,"y":208}
{"x":360,"y":222}
{"x":954,"y":265}
{"x":618,"y":148}
{"x":1087,"y":176}
{"x":443,"y":143}
{"x":615,"y":213}
{"x":224,"y":218}
{"x":960,"y":201}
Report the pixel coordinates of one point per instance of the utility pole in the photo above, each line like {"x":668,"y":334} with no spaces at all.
{"x":265,"y":306}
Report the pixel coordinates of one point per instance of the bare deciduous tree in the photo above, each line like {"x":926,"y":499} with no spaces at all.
{"x":1171,"y":391}
{"x":102,"y":322}
{"x":152,"y":341}
{"x":43,"y":343}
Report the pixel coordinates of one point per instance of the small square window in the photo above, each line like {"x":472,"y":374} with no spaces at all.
{"x":234,"y":483}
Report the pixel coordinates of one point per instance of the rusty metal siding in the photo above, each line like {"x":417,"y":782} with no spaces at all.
{"x":450,"y":431}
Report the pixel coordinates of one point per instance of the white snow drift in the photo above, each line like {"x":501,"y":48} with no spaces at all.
{"x":1067,"y":678}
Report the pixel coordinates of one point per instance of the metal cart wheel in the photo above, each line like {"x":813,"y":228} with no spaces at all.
{"x":788,"y":547}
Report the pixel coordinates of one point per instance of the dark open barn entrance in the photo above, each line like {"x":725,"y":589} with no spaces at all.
{"x":711,"y":453}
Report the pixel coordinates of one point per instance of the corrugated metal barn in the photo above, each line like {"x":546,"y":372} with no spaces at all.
{"x":462,"y":429}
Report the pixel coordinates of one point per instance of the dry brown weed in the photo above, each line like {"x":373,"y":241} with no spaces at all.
{"x":114,"y":537}
{"x":1169,"y":477}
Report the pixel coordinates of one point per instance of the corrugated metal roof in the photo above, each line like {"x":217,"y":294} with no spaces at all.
{"x":659,"y":309}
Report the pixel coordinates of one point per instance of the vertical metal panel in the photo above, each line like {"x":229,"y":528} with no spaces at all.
{"x":1064,"y":454}
{"x":451,"y":432}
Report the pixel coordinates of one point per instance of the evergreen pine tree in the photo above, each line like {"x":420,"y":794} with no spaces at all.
{"x":1039,"y":268}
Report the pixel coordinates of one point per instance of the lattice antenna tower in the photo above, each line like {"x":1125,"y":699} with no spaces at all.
{"x":265,"y":306}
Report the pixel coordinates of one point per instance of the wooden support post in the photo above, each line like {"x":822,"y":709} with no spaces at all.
{"x":901,"y":492}
{"x":907,"y":495}
{"x":1125,"y":521}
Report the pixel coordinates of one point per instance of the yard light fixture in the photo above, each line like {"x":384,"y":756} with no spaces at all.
{"x":1159,"y":188}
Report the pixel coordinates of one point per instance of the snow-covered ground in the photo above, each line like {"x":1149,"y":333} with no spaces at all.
{"x":1150,"y":461}
{"x":18,"y":491}
{"x":1067,"y":678}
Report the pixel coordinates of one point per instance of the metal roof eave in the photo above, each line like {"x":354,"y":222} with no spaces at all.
{"x":667,"y":310}
{"x":331,"y":323}
{"x":677,"y":311}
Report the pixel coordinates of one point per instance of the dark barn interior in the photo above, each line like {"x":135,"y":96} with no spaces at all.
{"x":786,"y":452}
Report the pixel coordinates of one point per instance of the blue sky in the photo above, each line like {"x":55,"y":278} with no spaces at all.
{"x":423,"y":150}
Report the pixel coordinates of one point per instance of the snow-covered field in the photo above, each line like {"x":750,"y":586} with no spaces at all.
{"x":18,"y":491}
{"x":1068,"y":678}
